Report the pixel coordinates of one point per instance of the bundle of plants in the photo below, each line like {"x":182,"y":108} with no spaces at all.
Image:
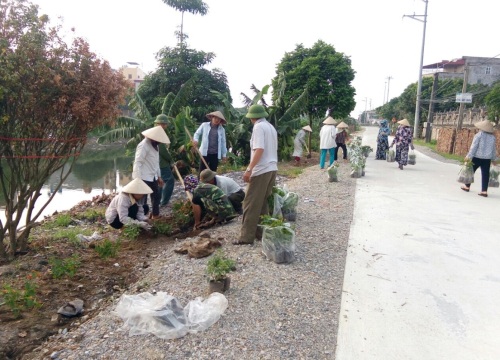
{"x":366,"y":150}
{"x":412,"y":158}
{"x":466,"y":173}
{"x":333,"y":171}
{"x":493,"y":182}
{"x":278,"y":240}
{"x":391,"y":155}
{"x":275,"y":201}
{"x":289,"y":208}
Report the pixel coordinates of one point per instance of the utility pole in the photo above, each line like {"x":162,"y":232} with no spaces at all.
{"x":428,"y":129}
{"x":462,"y":104}
{"x":385,"y":91}
{"x":419,"y":87}
{"x":388,"y":86}
{"x":366,"y":103}
{"x":370,"y":104}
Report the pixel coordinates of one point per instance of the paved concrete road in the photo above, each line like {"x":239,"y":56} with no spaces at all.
{"x":422,"y":277}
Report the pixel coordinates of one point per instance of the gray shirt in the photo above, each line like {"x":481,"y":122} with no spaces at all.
{"x":483,"y":146}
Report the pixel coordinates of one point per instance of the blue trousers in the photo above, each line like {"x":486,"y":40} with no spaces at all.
{"x":322,"y":157}
{"x":168,"y":186}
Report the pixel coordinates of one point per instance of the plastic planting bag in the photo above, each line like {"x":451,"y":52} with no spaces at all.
{"x":412,"y":158}
{"x":275,"y":201}
{"x":278,"y":243}
{"x":494,"y":172}
{"x":163,"y":316}
{"x":466,"y":173}
{"x":332,"y":173}
{"x":289,"y":208}
{"x":391,"y":155}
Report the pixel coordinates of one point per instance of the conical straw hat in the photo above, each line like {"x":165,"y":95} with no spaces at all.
{"x":307,"y":128}
{"x":342,"y":125}
{"x":157,"y":133}
{"x":329,"y":121}
{"x":219,"y":115}
{"x":485,"y":125}
{"x":137,"y":186}
{"x":404,"y":122}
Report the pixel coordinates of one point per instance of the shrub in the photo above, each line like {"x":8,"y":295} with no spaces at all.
{"x":107,"y":249}
{"x":218,"y":266}
{"x":131,"y":231}
{"x":162,"y":228}
{"x":68,"y":266}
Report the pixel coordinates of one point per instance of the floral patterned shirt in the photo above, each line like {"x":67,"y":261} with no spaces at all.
{"x":483,"y":146}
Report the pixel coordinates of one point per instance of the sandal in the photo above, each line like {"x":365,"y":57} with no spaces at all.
{"x":238,"y":242}
{"x":483,"y":194}
{"x":464,"y":188}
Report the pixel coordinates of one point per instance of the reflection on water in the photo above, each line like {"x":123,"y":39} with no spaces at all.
{"x":89,"y":177}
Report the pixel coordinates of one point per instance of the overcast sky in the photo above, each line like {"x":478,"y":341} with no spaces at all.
{"x":249,"y":38}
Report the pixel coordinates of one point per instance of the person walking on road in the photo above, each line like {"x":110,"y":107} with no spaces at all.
{"x":213,"y":140}
{"x":327,"y":141}
{"x":165,"y":165}
{"x":147,"y":164}
{"x":403,"y":140}
{"x":482,"y":152}
{"x":383,"y":140}
{"x":342,"y":139}
{"x":299,"y":142}
{"x":260,"y":173}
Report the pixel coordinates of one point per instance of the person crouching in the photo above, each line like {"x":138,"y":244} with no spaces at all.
{"x":130,"y":206}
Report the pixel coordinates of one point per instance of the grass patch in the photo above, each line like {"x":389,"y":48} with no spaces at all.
{"x":433,"y":146}
{"x":92,"y":214}
{"x":290,"y":172}
{"x":162,"y":228}
{"x":107,"y":249}
{"x":131,"y":231}
{"x":70,"y":234}
{"x":61,"y":220}
{"x":62,"y":267}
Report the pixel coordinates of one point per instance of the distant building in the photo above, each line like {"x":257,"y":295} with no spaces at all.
{"x":368,"y":117}
{"x":481,"y":70}
{"x":133,"y":73}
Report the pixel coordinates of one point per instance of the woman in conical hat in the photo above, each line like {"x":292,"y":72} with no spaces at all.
{"x":342,"y":138}
{"x":147,"y":164}
{"x":403,"y":141}
{"x":299,"y":142}
{"x":129,"y":206}
{"x":213,"y":146}
{"x":482,"y":152}
{"x":327,"y":141}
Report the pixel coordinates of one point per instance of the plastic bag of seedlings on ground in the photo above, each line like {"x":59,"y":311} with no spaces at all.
{"x":278,"y":243}
{"x":412,"y":158}
{"x":466,"y":173}
{"x":289,"y":208}
{"x":391,"y":155}
{"x":332,"y":172}
{"x":163,"y":316}
{"x":494,"y":172}
{"x":275,"y":201}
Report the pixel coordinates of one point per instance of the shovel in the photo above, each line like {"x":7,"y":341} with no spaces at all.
{"x":188,"y":194}
{"x":196,"y":147}
{"x":308,"y":152}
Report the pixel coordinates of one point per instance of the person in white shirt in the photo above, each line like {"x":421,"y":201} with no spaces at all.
{"x":260,"y":174}
{"x":147,"y":164}
{"x":130,"y":206}
{"x":327,"y":141}
{"x":234,"y":192}
{"x":299,"y":142}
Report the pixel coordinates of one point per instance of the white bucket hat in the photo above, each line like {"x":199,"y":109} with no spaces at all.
{"x":329,"y":121}
{"x":156,"y":133}
{"x":137,"y":186}
{"x":307,"y":128}
{"x":485,"y":125}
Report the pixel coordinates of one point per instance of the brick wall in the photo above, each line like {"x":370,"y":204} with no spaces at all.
{"x":463,"y":138}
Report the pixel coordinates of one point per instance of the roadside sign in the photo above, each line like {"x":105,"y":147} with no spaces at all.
{"x":464,"y":98}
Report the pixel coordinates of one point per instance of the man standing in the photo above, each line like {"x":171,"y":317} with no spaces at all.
{"x":234,"y":192}
{"x":260,"y":173}
{"x":165,"y":165}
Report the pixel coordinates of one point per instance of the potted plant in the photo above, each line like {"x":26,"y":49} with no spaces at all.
{"x":218,"y":266}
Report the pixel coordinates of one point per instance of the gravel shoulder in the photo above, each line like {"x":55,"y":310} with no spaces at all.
{"x":275,"y":310}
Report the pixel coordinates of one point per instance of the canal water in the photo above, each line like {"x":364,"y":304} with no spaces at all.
{"x":94,"y":173}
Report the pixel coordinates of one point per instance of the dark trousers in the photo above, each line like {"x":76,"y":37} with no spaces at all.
{"x":155,"y":196}
{"x":132,"y":213}
{"x":484,"y":164}
{"x":212,"y":161}
{"x":344,"y":150}
{"x":236,"y":200}
{"x":168,"y":186}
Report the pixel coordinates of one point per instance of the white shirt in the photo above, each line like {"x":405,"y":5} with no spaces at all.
{"x":119,"y":206}
{"x":264,"y":136}
{"x":327,"y":137}
{"x":227,"y":185}
{"x":147,"y":162}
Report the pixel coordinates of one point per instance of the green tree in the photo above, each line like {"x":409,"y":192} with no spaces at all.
{"x":492,"y":101}
{"x":191,"y":6}
{"x":327,"y":75}
{"x":177,"y":66}
{"x":51,"y":95}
